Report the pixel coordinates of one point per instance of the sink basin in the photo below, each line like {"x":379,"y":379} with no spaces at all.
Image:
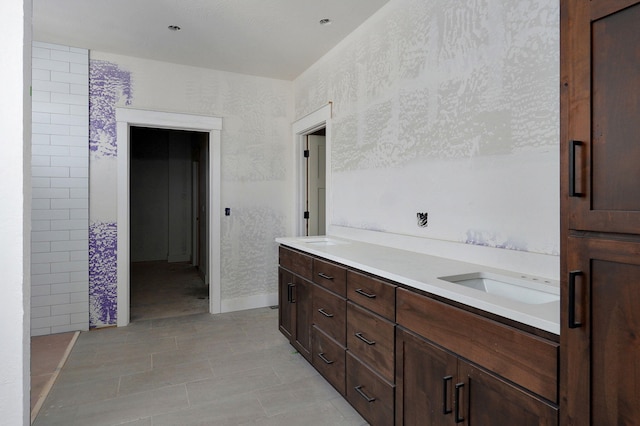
{"x":526,"y":290}
{"x":324,"y":241}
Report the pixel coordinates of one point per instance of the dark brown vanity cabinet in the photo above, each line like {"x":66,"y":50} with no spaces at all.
{"x":455,"y":367}
{"x":600,"y":212}
{"x":435,"y":387}
{"x":401,"y":357}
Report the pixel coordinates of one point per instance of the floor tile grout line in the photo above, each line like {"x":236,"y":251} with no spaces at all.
{"x":47,"y":388}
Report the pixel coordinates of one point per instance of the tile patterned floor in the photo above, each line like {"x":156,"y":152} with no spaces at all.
{"x":228,"y":369}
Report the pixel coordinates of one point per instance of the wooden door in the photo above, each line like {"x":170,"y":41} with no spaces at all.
{"x":302,"y":306}
{"x":486,"y":400}
{"x":425,"y":382}
{"x":286,"y":318}
{"x":600,"y":333}
{"x":600,"y":107}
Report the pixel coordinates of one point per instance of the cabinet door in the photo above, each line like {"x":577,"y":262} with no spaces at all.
{"x":286,"y":313}
{"x":486,"y":400}
{"x":601,"y":333}
{"x":425,"y":381}
{"x":302,"y":306}
{"x":600,"y":109}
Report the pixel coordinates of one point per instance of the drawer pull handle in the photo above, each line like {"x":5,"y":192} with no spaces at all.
{"x":572,"y":299}
{"x":322,"y":311}
{"x":364,"y":395}
{"x":364,"y":339}
{"x":325,"y":276}
{"x":456,"y":403}
{"x":445,"y":392}
{"x":365,"y":294}
{"x":322,"y":357}
{"x":290,"y":296}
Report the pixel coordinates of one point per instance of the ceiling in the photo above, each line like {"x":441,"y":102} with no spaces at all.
{"x":269,"y":38}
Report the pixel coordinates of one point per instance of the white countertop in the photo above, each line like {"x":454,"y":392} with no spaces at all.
{"x":421,"y":271}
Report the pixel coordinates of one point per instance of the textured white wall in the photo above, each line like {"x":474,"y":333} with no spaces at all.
{"x":15,"y":193}
{"x":256,"y":114}
{"x":60,"y":182}
{"x":451,"y":108}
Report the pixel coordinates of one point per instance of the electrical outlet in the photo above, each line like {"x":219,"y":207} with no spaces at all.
{"x":423,"y":219}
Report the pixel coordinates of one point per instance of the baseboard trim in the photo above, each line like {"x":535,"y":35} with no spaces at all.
{"x":249,"y":302}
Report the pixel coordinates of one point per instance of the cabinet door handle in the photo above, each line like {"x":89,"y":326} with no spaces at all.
{"x":322,"y":311}
{"x":364,"y":395}
{"x":291,"y":295}
{"x":325,"y":276}
{"x":572,"y":168}
{"x":364,"y":339}
{"x":365,"y":294}
{"x":572,"y":299}
{"x":322,"y":357}
{"x":445,"y":392}
{"x":456,"y":403}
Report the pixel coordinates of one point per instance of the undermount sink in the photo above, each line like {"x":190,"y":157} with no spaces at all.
{"x":323,"y":241}
{"x":526,"y":290}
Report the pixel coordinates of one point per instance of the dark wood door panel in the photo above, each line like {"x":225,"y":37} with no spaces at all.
{"x":603,"y":343}
{"x":601,"y":102}
{"x":286,"y":314}
{"x":425,"y":382}
{"x":487,"y":400}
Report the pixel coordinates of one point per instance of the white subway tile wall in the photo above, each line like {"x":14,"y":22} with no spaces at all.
{"x":60,"y":181}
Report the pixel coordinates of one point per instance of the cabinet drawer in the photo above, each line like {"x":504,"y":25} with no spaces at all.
{"x":296,"y":262}
{"x":373,"y":294}
{"x":525,"y":359}
{"x":330,"y":313}
{"x":371,"y":338}
{"x":369,"y":393}
{"x":330,"y":275}
{"x":329,"y":359}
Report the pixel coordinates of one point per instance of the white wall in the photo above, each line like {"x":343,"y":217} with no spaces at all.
{"x":15,"y":131}
{"x":449,"y":108}
{"x":256,"y":114}
{"x":60,"y":181}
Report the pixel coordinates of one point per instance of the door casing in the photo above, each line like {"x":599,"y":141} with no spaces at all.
{"x":127,"y":117}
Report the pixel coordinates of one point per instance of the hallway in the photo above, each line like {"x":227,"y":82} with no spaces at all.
{"x":160,"y":289}
{"x":227,"y":369}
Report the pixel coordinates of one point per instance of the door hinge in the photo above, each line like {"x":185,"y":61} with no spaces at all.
{"x":306,"y":215}
{"x":306,"y":153}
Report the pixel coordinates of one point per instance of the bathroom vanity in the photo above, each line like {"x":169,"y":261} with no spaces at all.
{"x":413,"y":339}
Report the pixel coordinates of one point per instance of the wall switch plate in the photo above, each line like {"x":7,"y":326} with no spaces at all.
{"x":227,"y":211}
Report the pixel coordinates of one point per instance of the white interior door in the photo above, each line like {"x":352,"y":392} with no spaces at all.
{"x":316,"y":185}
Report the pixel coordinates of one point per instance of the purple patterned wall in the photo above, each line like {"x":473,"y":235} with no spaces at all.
{"x":109,"y":86}
{"x":103,"y":273}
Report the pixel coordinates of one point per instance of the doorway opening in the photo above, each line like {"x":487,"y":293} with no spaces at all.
{"x":312,"y":148}
{"x":126,"y":118}
{"x":168,"y":211}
